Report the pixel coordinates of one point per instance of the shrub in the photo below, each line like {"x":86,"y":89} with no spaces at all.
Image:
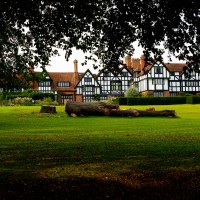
{"x":131,"y":92}
{"x":22,"y":101}
{"x":111,"y":100}
{"x":46,"y":101}
{"x":147,"y":94}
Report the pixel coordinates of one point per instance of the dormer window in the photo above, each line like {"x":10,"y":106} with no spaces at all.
{"x":63,"y":84}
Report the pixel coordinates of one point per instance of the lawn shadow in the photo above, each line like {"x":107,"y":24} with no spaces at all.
{"x":174,"y":185}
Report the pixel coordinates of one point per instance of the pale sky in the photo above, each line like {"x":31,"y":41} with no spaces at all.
{"x":59,"y":64}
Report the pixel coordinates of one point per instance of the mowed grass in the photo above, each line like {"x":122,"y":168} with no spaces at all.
{"x":99,"y":157}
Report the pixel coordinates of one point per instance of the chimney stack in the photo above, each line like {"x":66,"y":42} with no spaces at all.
{"x":142,"y":62}
{"x":75,"y":65}
{"x":75,"y":79}
{"x":128,"y":61}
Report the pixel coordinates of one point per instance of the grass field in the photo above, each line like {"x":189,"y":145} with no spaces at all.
{"x":53,"y":156}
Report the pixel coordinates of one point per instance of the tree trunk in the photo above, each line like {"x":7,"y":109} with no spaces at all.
{"x":48,"y":109}
{"x":124,"y":113}
{"x":88,"y":109}
{"x":171,"y":113}
{"x":103,"y":109}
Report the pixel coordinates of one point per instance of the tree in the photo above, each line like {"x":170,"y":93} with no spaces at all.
{"x":106,"y":29}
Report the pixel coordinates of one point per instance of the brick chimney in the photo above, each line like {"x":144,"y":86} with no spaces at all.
{"x":142,"y":62}
{"x":128,"y":61}
{"x":135,"y":63}
{"x":75,"y":77}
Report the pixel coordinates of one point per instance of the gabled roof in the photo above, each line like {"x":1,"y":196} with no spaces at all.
{"x":83,"y":74}
{"x":116,"y":73}
{"x":171,"y":67}
{"x":63,"y":76}
{"x":124,"y":67}
{"x":146,"y":69}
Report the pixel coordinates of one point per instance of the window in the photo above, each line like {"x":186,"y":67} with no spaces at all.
{"x":63,"y":84}
{"x":158,"y":70}
{"x":158,"y":94}
{"x":125,"y":74}
{"x":65,"y":98}
{"x":157,"y":81}
{"x":88,"y":98}
{"x":116,"y":85}
{"x":173,"y":94}
{"x":191,"y":83}
{"x":44,"y":86}
{"x":86,"y":79}
{"x":88,"y":88}
{"x":172,"y":74}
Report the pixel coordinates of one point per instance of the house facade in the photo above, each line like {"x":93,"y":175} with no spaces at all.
{"x":158,"y":79}
{"x":163,"y":79}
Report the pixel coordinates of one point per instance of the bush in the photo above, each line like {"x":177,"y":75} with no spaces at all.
{"x":22,"y":101}
{"x":131,"y":92}
{"x":111,"y":100}
{"x":46,"y":101}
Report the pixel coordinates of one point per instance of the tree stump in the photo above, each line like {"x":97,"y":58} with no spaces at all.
{"x":48,"y":109}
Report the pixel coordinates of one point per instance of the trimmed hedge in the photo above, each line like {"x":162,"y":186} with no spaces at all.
{"x":192,"y":99}
{"x":159,"y":100}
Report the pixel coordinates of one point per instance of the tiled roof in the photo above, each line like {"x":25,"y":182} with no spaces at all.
{"x":63,"y":77}
{"x":175,"y":67}
{"x":172,"y":67}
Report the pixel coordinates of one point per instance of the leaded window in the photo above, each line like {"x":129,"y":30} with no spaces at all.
{"x":157,"y":81}
{"x":86,"y":79}
{"x":63,"y":84}
{"x":116,"y":85}
{"x":158,"y":94}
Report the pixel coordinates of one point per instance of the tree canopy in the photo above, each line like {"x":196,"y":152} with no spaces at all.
{"x":33,"y":30}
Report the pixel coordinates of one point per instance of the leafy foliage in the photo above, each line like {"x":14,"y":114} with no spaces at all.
{"x":105,"y":29}
{"x":131,"y":92}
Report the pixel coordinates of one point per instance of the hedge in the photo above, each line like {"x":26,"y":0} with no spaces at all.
{"x":158,"y":100}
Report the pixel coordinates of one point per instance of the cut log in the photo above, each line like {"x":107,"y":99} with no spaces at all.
{"x":171,"y":113}
{"x":88,"y":109}
{"x":125,"y":113}
{"x":103,"y":109}
{"x":48,"y":109}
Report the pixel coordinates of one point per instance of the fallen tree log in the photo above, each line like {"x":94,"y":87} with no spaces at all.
{"x":155,"y":113}
{"x":89,"y":109}
{"x":102,"y":109}
{"x":125,"y":113}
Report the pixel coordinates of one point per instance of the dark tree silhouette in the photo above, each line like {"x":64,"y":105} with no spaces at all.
{"x":34,"y":29}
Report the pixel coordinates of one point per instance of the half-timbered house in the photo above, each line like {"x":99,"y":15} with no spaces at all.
{"x":114,"y":84}
{"x":159,"y":79}
{"x":164,"y":79}
{"x":88,"y":87}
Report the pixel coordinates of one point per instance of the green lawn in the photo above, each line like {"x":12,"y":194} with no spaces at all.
{"x":101,"y":157}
